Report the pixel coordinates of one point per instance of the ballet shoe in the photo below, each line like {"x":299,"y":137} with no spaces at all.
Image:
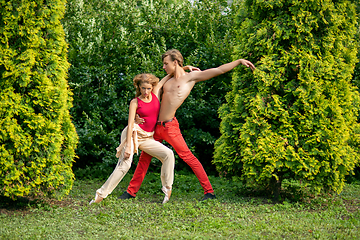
{"x":167,"y":192}
{"x":96,"y":200}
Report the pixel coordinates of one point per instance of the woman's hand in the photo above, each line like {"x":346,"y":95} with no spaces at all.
{"x":191,"y":68}
{"x":127,"y":152}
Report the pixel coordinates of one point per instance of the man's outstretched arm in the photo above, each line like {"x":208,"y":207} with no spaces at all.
{"x":213,"y":72}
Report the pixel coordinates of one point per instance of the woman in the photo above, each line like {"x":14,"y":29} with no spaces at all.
{"x":134,"y":136}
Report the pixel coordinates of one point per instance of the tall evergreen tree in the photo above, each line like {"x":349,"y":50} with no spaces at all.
{"x":37,"y":137}
{"x":296,"y":116}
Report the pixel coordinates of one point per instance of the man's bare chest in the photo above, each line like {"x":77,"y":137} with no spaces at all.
{"x":176,"y":89}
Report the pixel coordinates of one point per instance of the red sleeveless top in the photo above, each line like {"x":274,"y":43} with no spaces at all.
{"x":149,"y":112}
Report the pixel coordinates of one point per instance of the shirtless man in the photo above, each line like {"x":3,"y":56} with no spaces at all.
{"x":175,"y":91}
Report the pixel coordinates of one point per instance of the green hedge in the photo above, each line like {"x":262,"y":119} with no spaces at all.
{"x":112,"y":41}
{"x":296,"y":116}
{"x":37,"y":137}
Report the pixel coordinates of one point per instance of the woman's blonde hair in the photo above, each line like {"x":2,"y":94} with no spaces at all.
{"x":144,"y":78}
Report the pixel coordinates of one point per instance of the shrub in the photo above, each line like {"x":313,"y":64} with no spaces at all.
{"x":112,"y":41}
{"x":37,"y":138}
{"x":295,"y":117}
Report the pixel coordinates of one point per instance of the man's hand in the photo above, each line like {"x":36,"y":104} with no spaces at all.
{"x":138,"y":119}
{"x":247,"y":63}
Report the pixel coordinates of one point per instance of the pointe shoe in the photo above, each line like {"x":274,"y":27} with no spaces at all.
{"x":96,"y":200}
{"x":167,"y":192}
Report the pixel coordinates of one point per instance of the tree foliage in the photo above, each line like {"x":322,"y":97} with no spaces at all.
{"x":112,"y":41}
{"x":356,"y":75}
{"x":296,"y":116}
{"x":37,"y":137}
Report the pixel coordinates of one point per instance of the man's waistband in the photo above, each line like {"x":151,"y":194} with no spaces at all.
{"x":163,"y":122}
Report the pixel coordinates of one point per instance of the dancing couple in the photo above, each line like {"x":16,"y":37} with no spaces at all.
{"x":156,"y":122}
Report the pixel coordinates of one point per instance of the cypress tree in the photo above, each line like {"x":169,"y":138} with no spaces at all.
{"x":295,"y":117}
{"x":37,"y":137}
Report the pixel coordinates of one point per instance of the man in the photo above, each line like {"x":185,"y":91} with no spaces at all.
{"x":175,"y":91}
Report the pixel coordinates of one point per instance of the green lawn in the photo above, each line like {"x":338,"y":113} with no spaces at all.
{"x":233,"y":215}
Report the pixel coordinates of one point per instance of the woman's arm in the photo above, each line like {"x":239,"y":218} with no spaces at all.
{"x":132,"y":112}
{"x":191,"y":68}
{"x":156,"y":89}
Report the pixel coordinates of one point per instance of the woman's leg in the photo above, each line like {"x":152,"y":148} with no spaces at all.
{"x":119,"y":172}
{"x":165,"y":155}
{"x":117,"y":175}
{"x":141,"y":169}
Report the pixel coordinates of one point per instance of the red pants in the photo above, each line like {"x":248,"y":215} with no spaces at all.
{"x":169,"y":132}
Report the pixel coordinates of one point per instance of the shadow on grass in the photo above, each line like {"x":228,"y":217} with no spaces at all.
{"x":24,"y":205}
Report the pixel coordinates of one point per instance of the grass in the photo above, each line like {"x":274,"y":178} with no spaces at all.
{"x":233,"y":215}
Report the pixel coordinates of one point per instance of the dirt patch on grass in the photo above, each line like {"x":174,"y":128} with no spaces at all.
{"x":352,"y":205}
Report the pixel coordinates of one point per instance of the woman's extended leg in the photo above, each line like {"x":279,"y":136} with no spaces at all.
{"x":117,"y":175}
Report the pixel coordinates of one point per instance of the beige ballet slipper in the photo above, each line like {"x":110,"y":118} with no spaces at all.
{"x":96,"y":200}
{"x":167,"y":191}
